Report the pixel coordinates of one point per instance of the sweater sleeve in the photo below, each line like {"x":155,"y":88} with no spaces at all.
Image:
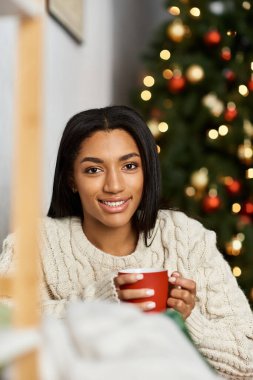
{"x":55,"y":295}
{"x":222,"y":322}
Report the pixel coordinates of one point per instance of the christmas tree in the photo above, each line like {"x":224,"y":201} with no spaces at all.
{"x":197,"y":97}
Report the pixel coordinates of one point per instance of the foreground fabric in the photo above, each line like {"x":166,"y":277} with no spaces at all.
{"x":98,"y":341}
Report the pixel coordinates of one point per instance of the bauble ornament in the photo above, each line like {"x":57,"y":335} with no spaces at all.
{"x":229,"y":75}
{"x":247,"y":208}
{"x":230,"y":112}
{"x":226,"y":54}
{"x":233,"y":186}
{"x":176,"y":84}
{"x":250,"y":84}
{"x":211,"y":203}
{"x":212,"y":37}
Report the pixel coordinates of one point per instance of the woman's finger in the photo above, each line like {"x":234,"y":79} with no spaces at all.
{"x":124,"y":279}
{"x":183,"y":283}
{"x":145,"y":306}
{"x":184,"y":295}
{"x":180,"y":306}
{"x":130,"y":294}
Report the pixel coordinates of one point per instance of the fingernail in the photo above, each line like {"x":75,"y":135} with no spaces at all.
{"x":150,"y":292}
{"x":150,"y":305}
{"x":172,"y":279}
{"x":139,"y":276}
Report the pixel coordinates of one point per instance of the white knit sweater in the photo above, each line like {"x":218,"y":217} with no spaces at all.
{"x":221,"y":323}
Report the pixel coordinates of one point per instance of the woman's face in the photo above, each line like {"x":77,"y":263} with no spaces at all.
{"x":108,"y":176}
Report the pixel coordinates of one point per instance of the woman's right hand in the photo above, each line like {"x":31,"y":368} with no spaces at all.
{"x":126,"y":295}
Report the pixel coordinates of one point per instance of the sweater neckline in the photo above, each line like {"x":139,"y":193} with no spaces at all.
{"x":97,"y":254}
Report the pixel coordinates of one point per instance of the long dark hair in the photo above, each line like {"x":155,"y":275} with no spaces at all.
{"x":82,"y":125}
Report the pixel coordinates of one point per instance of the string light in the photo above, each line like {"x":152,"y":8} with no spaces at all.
{"x":190,"y":191}
{"x":158,"y":149}
{"x":165,"y":54}
{"x":241,"y":236}
{"x":174,"y":11}
{"x":236,"y":246}
{"x":213,"y":134}
{"x":163,"y":127}
{"x":245,"y":151}
{"x":246,"y":5}
{"x":249,"y":173}
{"x":223,"y":130}
{"x":176,"y":31}
{"x":195,"y":12}
{"x":146,"y":95}
{"x":231,"y":33}
{"x":237,"y":271}
{"x":153,"y":126}
{"x":149,"y":81}
{"x":167,"y":74}
{"x":248,"y":127}
{"x":251,"y":65}
{"x":236,"y":208}
{"x":243,"y":90}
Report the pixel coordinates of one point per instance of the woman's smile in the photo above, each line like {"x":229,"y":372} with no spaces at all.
{"x":114,"y":205}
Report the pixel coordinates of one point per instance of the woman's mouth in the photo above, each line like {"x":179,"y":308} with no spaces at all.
{"x":114,"y":206}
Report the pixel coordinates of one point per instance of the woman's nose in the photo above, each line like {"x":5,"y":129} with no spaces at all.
{"x":114,"y":182}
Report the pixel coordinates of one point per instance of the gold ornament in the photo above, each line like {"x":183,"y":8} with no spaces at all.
{"x":199,"y":179}
{"x":234,"y":247}
{"x":194,"y":73}
{"x":245,"y":152}
{"x":176,"y":31}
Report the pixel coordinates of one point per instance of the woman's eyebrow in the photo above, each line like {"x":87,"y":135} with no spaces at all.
{"x":92,"y":159}
{"x":97,"y":160}
{"x":129,"y":155}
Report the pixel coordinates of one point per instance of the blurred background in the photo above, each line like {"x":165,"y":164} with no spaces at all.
{"x":187,"y":66}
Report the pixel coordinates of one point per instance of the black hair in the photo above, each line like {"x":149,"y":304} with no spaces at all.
{"x":65,"y":202}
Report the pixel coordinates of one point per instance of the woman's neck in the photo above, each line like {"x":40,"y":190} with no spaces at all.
{"x":114,"y":241}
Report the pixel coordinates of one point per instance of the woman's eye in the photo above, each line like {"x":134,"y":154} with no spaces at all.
{"x":131,"y":166}
{"x":92,"y":170}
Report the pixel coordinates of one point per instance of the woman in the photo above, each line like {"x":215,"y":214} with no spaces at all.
{"x":104,"y":217}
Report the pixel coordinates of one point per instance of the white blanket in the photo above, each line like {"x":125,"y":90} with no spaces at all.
{"x":100,"y":341}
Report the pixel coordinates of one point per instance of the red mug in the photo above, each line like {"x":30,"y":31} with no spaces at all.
{"x":156,"y":279}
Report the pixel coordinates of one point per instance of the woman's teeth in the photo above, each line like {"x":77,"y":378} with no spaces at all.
{"x":113,"y":204}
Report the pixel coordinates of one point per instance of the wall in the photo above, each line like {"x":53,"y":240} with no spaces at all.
{"x":77,"y":77}
{"x":99,"y":72}
{"x":135,"y":22}
{"x":8,"y":28}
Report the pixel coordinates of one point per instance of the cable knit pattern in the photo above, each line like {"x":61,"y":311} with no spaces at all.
{"x":221,"y":323}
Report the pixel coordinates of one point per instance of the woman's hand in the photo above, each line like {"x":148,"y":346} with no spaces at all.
{"x":182,"y":296}
{"x":131,"y":294}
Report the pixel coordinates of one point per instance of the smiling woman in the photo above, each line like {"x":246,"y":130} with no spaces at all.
{"x":104,"y":218}
{"x":108,"y":178}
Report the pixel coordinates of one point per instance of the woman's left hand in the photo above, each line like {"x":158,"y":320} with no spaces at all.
{"x":182,"y":296}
